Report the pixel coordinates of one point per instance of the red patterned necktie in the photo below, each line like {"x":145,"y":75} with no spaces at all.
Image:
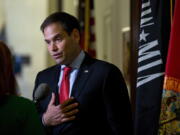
{"x":65,"y":85}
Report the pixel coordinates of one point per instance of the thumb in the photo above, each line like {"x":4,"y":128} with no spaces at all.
{"x":52,"y":101}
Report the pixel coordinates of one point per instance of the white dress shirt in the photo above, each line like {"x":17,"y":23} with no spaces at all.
{"x":75,"y":65}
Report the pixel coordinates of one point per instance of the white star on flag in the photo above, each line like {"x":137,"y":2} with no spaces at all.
{"x":143,"y":36}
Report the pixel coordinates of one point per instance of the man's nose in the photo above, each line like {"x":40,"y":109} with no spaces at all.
{"x":54,"y":46}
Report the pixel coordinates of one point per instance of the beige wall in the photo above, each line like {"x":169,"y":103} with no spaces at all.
{"x":111,"y":17}
{"x":23,"y":18}
{"x":2,"y":17}
{"x":70,"y":6}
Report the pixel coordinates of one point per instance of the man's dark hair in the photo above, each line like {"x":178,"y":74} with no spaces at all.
{"x":67,"y":21}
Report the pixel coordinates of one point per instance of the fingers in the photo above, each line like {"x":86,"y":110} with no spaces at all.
{"x":70,"y":113}
{"x":69,"y":107}
{"x":68,"y":101}
{"x":62,"y":120}
{"x":68,"y":119}
{"x":69,"y":116}
{"x":52,"y":101}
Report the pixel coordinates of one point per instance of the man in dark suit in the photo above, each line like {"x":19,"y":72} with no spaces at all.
{"x":97,"y":101}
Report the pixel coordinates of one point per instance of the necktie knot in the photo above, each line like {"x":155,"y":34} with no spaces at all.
{"x":67,"y":70}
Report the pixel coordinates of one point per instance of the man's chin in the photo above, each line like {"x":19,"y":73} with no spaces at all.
{"x":61,"y":62}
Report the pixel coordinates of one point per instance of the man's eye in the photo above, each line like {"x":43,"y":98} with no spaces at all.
{"x":47,"y":42}
{"x":59,"y":39}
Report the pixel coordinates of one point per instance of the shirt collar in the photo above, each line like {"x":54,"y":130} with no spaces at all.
{"x":77,"y":62}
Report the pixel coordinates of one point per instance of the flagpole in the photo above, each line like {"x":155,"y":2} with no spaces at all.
{"x":87,"y":16}
{"x":171,"y":10}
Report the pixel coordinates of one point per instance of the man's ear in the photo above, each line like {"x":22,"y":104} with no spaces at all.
{"x":76,"y":35}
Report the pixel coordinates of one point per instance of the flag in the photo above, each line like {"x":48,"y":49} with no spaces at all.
{"x":170,"y":107}
{"x":87,"y":24}
{"x":152,"y":52}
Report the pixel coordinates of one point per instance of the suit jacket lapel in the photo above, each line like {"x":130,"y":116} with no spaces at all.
{"x":54,"y":82}
{"x":82,"y":76}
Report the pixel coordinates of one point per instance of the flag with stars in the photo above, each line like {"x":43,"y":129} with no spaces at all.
{"x":152,"y":52}
{"x":170,"y":105}
{"x":87,"y":24}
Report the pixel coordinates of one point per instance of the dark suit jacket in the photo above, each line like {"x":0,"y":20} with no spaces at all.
{"x":104,"y":107}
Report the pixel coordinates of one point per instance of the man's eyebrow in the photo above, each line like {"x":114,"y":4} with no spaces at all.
{"x":54,"y":37}
{"x":58,"y":35}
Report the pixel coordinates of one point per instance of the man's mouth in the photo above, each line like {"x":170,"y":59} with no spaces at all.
{"x":57,"y":55}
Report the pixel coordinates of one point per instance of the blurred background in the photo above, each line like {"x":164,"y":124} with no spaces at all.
{"x":105,"y":27}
